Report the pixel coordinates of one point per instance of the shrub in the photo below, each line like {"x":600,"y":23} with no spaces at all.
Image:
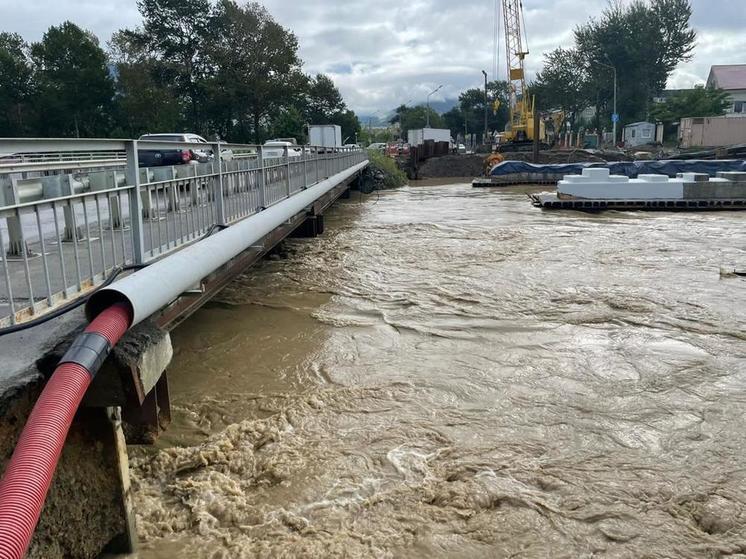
{"x":393,"y":177}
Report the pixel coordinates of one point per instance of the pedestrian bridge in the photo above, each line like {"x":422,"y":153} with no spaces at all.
{"x":143,"y":248}
{"x":75,"y":214}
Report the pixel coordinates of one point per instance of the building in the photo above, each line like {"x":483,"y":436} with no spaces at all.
{"x":639,"y":134}
{"x":713,"y":131}
{"x":731,"y":78}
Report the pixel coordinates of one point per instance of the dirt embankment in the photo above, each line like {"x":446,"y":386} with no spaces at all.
{"x":473,"y":165}
{"x":452,"y":166}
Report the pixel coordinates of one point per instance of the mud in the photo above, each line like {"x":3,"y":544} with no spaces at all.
{"x":458,"y":166}
{"x":453,"y":373}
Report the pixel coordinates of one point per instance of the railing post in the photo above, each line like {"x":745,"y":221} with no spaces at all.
{"x":287,"y":162}
{"x":262,"y":181}
{"x":316,"y":162}
{"x":219,"y":195}
{"x":135,"y":203}
{"x":305,"y":168}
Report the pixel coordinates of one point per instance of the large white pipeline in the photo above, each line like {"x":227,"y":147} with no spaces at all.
{"x":154,"y":287}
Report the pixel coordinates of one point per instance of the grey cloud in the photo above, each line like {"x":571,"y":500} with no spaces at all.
{"x":385,"y":52}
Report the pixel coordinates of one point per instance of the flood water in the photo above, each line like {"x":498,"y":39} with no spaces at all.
{"x":450,"y":372}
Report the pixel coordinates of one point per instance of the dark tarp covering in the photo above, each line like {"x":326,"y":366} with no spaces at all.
{"x":629,"y":168}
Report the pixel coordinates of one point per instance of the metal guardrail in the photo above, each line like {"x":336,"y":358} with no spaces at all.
{"x":73,"y":211}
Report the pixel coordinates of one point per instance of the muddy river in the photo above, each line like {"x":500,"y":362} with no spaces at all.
{"x":450,"y":372}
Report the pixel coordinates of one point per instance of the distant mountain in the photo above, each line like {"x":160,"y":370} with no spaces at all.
{"x":382,"y":120}
{"x":443,"y":106}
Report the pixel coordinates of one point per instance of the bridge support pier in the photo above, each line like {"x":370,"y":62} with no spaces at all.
{"x":313,"y":226}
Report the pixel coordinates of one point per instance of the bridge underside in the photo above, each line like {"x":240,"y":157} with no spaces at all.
{"x":89,"y":508}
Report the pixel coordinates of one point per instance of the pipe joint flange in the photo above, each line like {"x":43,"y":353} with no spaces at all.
{"x":89,"y":350}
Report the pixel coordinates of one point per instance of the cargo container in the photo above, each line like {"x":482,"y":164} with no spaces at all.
{"x":712,"y":131}
{"x":325,"y":135}
{"x":418,"y":137}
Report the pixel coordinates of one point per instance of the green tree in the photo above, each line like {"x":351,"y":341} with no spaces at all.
{"x":289,"y":123}
{"x":256,"y":66}
{"x":564,"y":83}
{"x":323,"y":100}
{"x":414,"y":118}
{"x":644,"y":41}
{"x":15,"y":85}
{"x":472,"y":105}
{"x":145,"y":101}
{"x":324,"y":104}
{"x":75,"y":90}
{"x":456,"y":121}
{"x":176,"y":33}
{"x":698,"y":102}
{"x":350,"y":125}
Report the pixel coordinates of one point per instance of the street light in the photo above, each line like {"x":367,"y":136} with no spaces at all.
{"x":486,"y":103}
{"x":615,"y":116}
{"x":428,"y":103}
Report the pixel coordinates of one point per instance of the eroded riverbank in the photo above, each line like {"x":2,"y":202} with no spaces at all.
{"x":451,"y":372}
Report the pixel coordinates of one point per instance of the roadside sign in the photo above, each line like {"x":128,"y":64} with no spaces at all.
{"x":615,"y":117}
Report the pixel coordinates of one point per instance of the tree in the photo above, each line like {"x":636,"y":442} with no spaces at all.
{"x":698,"y":102}
{"x":644,"y":41}
{"x":75,"y":89}
{"x":323,"y":100}
{"x":414,"y":118}
{"x":456,"y":121}
{"x":145,"y":101}
{"x":472,"y":105}
{"x":175,"y":33}
{"x":15,"y":84}
{"x":289,"y":123}
{"x":564,"y":83}
{"x":324,"y":104}
{"x":256,"y":65}
{"x":350,"y":124}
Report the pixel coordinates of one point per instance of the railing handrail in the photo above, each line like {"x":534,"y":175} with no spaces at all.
{"x":62,"y":234}
{"x":21,"y":155}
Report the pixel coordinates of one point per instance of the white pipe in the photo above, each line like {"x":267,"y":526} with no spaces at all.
{"x":152,"y":288}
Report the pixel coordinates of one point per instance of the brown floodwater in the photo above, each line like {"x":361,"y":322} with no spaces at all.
{"x":450,"y":372}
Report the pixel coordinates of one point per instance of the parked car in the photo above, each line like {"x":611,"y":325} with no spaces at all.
{"x":178,"y":156}
{"x":275,"y":149}
{"x":461,"y":149}
{"x":377,"y":146}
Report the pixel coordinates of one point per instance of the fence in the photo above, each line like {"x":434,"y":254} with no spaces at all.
{"x":73,"y":212}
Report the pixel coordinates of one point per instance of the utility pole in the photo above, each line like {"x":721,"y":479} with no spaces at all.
{"x":428,"y":103}
{"x":615,"y":116}
{"x":486,"y":106}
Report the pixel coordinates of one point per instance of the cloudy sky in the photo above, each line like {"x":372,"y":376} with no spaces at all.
{"x":382,"y":53}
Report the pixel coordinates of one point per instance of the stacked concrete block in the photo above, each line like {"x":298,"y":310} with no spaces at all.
{"x":599,"y":184}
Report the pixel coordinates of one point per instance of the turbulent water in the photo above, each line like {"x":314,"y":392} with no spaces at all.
{"x":450,"y":372}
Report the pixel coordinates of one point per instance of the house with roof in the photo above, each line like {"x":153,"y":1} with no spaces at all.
{"x":732,"y":79}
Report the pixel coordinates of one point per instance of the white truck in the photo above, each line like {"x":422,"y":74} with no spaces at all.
{"x":418,"y":137}
{"x":325,"y":135}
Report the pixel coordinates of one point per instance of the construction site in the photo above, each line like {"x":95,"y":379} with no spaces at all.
{"x":504,"y":325}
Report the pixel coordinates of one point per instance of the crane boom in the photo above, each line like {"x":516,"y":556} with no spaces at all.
{"x":515,"y":54}
{"x":521,"y":125}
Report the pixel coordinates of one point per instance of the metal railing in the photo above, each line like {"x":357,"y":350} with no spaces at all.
{"x":74,"y":211}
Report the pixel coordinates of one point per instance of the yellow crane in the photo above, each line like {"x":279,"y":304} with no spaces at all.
{"x":519,"y":132}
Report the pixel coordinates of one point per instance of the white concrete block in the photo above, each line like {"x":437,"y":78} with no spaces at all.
{"x":654,"y":178}
{"x":596,"y":174}
{"x":575,"y":178}
{"x":617,"y":188}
